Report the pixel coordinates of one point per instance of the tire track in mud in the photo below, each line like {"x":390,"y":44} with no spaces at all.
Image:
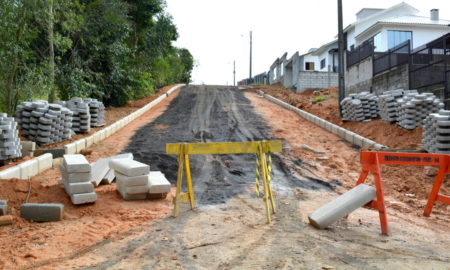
{"x":209,"y":114}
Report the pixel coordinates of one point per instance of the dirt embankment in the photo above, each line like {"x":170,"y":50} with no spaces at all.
{"x":83,"y":227}
{"x":384,"y":133}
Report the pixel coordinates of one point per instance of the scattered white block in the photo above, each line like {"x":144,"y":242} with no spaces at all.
{"x":128,"y":181}
{"x":78,"y":188}
{"x":83,"y":198}
{"x":342,"y":206}
{"x":158,"y":183}
{"x":129,"y":167}
{"x":76,"y":163}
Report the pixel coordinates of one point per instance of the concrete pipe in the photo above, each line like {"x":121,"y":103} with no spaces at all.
{"x":342,"y":206}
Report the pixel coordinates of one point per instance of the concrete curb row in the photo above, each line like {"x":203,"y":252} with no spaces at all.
{"x":341,"y":132}
{"x":43,"y":162}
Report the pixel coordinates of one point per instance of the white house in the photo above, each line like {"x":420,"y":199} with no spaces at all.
{"x":390,"y":27}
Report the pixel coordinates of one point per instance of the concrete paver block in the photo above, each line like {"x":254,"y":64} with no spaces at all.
{"x":158,"y":183}
{"x":129,"y":181}
{"x":83,"y":198}
{"x":42,"y":212}
{"x":129,"y":167}
{"x":45,"y":162}
{"x":133,"y":189}
{"x":76,"y":163}
{"x":78,"y":188}
{"x":74,"y":177}
{"x":132,"y":197}
{"x":70,"y":148}
{"x":13,"y":172}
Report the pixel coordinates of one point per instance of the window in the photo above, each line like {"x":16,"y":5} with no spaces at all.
{"x":309,"y":66}
{"x":396,"y":37}
{"x":322,"y":63}
{"x":282,"y":69}
{"x":378,"y":43}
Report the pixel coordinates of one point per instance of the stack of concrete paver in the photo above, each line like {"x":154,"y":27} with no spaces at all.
{"x":97,"y":111}
{"x":81,"y":121}
{"x":132,"y":178}
{"x":76,"y":177}
{"x":9,"y":138}
{"x":388,"y":105}
{"x":44,"y":123}
{"x":360,"y":107}
{"x":436,"y":132}
{"x":414,"y":108}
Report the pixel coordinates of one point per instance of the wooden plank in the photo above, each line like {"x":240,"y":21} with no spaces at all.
{"x":222,"y":147}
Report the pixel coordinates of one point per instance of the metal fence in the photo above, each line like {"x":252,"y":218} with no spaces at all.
{"x":429,"y":68}
{"x":399,"y":55}
{"x":359,"y":53}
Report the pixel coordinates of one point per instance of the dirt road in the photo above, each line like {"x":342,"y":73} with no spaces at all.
{"x":228,"y":230}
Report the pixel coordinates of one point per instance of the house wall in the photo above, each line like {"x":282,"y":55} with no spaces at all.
{"x":311,"y":58}
{"x":420,"y":35}
{"x":316,"y":80}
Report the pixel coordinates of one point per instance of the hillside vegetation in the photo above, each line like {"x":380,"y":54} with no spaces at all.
{"x":112,"y":50}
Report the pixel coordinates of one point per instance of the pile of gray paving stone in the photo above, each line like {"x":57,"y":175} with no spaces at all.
{"x":414,"y":108}
{"x":436,"y":132}
{"x":360,"y":107}
{"x":76,"y":177}
{"x":9,"y":138}
{"x":136,"y":182}
{"x":389,"y":106}
{"x":43,"y":122}
{"x":81,"y":120}
{"x":97,"y":111}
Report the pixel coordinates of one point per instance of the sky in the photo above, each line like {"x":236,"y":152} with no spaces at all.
{"x":216,"y":32}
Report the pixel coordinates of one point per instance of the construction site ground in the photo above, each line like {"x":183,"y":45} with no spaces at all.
{"x":227,"y":230}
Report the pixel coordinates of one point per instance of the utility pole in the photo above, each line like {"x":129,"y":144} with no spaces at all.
{"x":234,"y":72}
{"x":341,"y":56}
{"x":250,"y":76}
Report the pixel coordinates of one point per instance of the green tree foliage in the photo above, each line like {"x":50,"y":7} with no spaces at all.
{"x":113,"y":50}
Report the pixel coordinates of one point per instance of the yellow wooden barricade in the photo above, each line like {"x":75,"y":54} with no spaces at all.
{"x":262,"y":149}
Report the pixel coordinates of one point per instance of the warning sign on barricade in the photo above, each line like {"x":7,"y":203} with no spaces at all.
{"x":371,"y":161}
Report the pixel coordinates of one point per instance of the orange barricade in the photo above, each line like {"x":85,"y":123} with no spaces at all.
{"x":371,"y":161}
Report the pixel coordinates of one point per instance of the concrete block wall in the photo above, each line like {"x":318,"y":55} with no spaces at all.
{"x":35,"y":166}
{"x":341,"y":132}
{"x":316,"y":80}
{"x":397,"y":78}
